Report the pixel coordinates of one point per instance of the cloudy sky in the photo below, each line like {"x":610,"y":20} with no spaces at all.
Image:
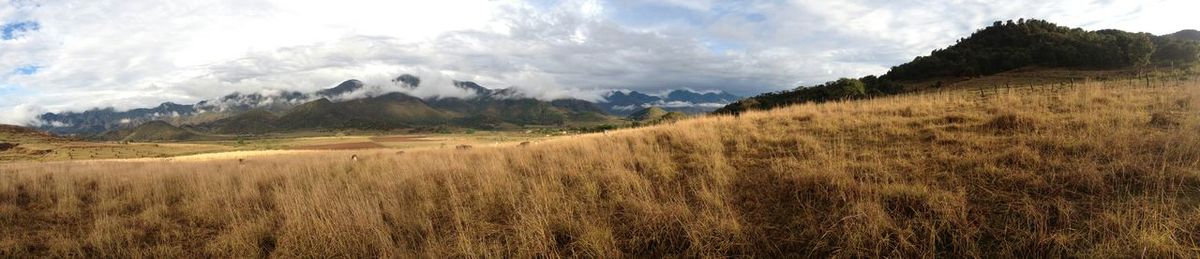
{"x":74,"y":55}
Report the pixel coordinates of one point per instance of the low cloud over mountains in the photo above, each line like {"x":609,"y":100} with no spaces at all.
{"x":61,"y":56}
{"x":436,"y":92}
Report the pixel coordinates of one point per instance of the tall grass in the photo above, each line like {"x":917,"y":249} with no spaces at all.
{"x":1093,"y":171}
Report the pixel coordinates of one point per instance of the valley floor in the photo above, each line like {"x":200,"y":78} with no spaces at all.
{"x":46,"y":150}
{"x":1094,"y":170}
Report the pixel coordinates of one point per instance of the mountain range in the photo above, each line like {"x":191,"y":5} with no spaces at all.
{"x":625,"y":103}
{"x":350,"y":105}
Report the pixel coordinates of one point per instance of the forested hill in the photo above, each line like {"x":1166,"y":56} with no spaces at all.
{"x":1004,"y":46}
{"x":1009,"y":45}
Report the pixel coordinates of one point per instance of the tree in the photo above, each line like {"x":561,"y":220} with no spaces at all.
{"x":845,"y":88}
{"x":1177,"y":52}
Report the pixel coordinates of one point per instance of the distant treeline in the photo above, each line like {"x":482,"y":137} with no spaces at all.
{"x":845,"y":88}
{"x":1002,"y":47}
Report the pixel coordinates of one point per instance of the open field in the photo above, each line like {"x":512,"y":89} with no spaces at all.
{"x":1096,"y":170}
{"x":55,"y":149}
{"x":40,"y":147}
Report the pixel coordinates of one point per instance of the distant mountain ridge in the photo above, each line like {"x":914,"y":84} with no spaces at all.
{"x":625,"y":103}
{"x":101,"y":120}
{"x":268,"y":111}
{"x":327,"y":109}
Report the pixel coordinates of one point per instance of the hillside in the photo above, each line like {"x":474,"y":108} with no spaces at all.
{"x":341,"y":89}
{"x":159,"y":131}
{"x":395,"y":110}
{"x":1192,"y":35}
{"x":498,"y":111}
{"x":649,"y":113}
{"x":256,"y":121}
{"x":1102,"y":169}
{"x":10,"y":132}
{"x":18,"y":143}
{"x":1005,"y":47}
{"x":655,"y":115}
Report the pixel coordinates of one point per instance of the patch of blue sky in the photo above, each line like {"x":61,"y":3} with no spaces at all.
{"x":651,"y":15}
{"x":16,"y":30}
{"x":27,"y":70}
{"x":722,"y":46}
{"x":8,"y":91}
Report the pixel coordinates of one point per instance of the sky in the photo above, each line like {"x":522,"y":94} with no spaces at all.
{"x":60,"y":56}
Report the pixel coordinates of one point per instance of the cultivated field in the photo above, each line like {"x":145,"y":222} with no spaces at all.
{"x":1094,"y":170}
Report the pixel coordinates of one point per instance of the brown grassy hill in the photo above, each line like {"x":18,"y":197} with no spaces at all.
{"x":18,"y":143}
{"x":160,"y":131}
{"x":1038,"y":76}
{"x":1098,"y":170}
{"x":255,"y":121}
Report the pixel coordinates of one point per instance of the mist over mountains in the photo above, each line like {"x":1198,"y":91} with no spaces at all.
{"x":404,"y":103}
{"x":683,"y":100}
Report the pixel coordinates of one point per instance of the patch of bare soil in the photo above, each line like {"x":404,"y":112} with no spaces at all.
{"x":342,"y":146}
{"x":400,"y":138}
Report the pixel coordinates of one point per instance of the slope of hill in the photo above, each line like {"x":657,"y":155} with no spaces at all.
{"x":1100,"y":170}
{"x":650,"y":113}
{"x":160,"y":131}
{"x":1002,"y":47}
{"x":256,"y":121}
{"x":341,"y":89}
{"x":655,"y":114}
{"x":274,"y":101}
{"x":1006,"y":46}
{"x":11,"y":132}
{"x":1192,"y":35}
{"x":491,"y":109}
{"x":18,"y":143}
{"x":395,"y":110}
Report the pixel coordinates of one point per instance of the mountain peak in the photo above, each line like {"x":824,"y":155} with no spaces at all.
{"x":407,"y":80}
{"x":341,"y":89}
{"x":473,"y":87}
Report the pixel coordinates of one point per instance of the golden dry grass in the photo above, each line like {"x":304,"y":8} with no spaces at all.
{"x":1094,"y":171}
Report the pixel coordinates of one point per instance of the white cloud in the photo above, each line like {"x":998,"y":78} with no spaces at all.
{"x":23,"y":114}
{"x":138,"y":53}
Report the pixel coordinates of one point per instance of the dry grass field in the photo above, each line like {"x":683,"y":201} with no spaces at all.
{"x":40,"y":147}
{"x":1096,"y":170}
{"x":37,"y":146}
